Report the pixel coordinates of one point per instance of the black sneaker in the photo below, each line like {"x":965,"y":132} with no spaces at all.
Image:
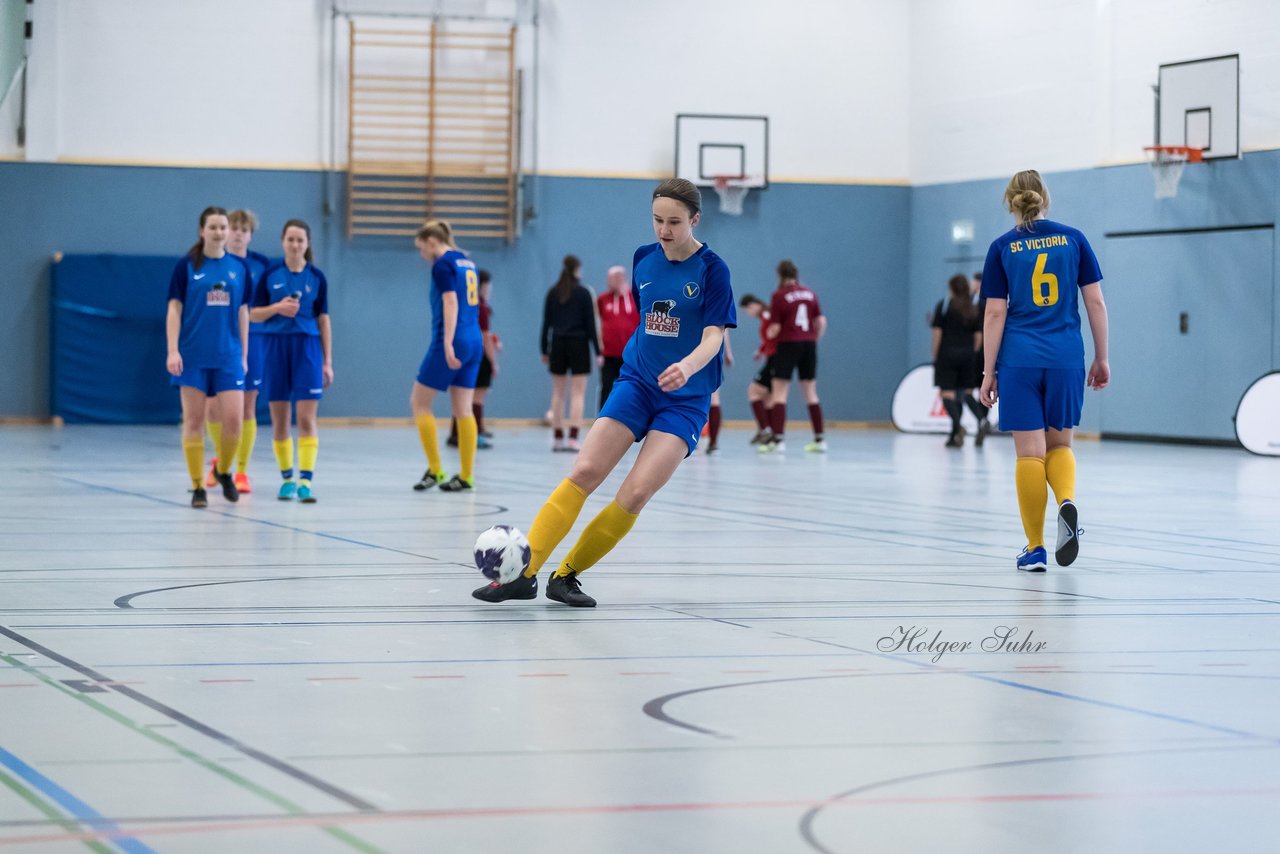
{"x":984,"y":428}
{"x":199,"y":498}
{"x":761,"y":437}
{"x":229,"y":490}
{"x":452,"y":441}
{"x":1069,"y":532}
{"x":429,"y":479}
{"x":458,"y":484}
{"x":521,"y":588}
{"x":567,"y":589}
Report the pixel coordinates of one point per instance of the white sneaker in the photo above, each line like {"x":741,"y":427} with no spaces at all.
{"x":572,"y":445}
{"x":818,"y":446}
{"x":557,"y":445}
{"x":779,"y":447}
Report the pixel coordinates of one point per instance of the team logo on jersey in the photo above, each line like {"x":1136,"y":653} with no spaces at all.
{"x":218,"y":294}
{"x":691,"y":290}
{"x":659,"y":320}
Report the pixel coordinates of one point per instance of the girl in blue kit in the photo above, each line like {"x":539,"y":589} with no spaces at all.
{"x":243,"y":224}
{"x":291,"y":301}
{"x":662,"y":395}
{"x":207,"y":329}
{"x":453,"y":359}
{"x":1034,"y":357}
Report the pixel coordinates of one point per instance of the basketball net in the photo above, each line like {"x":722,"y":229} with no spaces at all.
{"x":732,"y":190}
{"x":1167,"y":163}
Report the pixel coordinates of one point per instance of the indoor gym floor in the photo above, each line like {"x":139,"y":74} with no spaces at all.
{"x":276,"y":677}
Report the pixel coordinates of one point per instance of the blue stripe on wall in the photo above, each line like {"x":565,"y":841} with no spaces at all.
{"x":850,"y":243}
{"x":878,"y":256}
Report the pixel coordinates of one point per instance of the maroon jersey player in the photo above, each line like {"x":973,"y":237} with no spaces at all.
{"x":760,"y":388}
{"x":797,"y":323}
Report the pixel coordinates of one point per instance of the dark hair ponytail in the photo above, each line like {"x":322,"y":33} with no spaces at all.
{"x":306,"y":229}
{"x":681,"y":191}
{"x":960,"y":300}
{"x":196,"y":252}
{"x":787,"y":271}
{"x":568,"y":278}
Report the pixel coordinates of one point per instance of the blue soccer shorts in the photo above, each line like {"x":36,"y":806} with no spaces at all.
{"x":211,"y":381}
{"x":435,"y":371}
{"x":1040,"y":398}
{"x":292,"y":367}
{"x":642,"y":408}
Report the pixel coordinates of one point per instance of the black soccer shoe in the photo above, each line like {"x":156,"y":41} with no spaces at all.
{"x":229,"y":490}
{"x":521,"y":588}
{"x":199,"y":498}
{"x":429,"y":479}
{"x":567,"y":589}
{"x":457,"y":484}
{"x":1068,"y":533}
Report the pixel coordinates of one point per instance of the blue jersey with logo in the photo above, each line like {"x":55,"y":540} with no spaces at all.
{"x":455,"y":272}
{"x":257,"y":264}
{"x":677,"y":300}
{"x":1039,"y":269}
{"x":308,"y":286}
{"x":211,"y":298}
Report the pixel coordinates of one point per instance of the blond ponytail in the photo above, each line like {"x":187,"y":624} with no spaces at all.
{"x":1026,"y":197}
{"x":437,"y":228}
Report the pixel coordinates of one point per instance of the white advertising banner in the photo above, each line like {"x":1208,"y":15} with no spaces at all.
{"x":917,"y":406}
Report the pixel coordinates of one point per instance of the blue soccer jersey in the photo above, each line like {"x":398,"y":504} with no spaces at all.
{"x":455,"y":272}
{"x":211,"y":298}
{"x":308,"y":286}
{"x":677,"y":300}
{"x":1039,"y":269}
{"x":257,"y":264}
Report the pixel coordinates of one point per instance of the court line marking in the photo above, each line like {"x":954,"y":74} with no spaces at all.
{"x":811,"y":815}
{"x":83,"y":813}
{"x":189,"y":754}
{"x":622,"y":809}
{"x":52,"y":815}
{"x":192,"y":724}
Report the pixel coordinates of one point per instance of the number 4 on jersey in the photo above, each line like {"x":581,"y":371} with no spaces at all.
{"x":802,"y":317}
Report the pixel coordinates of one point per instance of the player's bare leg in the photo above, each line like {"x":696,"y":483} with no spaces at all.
{"x":557,"y":412}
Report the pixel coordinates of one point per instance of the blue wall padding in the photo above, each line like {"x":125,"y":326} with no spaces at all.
{"x":108,"y":354}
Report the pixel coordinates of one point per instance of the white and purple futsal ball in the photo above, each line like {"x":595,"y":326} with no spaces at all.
{"x":502,"y":553}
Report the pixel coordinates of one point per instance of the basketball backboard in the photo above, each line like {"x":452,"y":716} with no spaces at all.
{"x":708,"y":146}
{"x":1198,"y":105}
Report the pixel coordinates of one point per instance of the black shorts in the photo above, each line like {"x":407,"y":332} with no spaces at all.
{"x":764,"y":376}
{"x":570,"y":356}
{"x":484,"y":377}
{"x":956,"y":370}
{"x":796,"y":354}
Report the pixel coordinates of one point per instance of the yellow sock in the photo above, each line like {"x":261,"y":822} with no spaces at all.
{"x":308,"y":450}
{"x":1060,"y":471}
{"x":598,"y":538}
{"x":193,"y":450}
{"x":227,"y":447}
{"x":284,"y":457}
{"x":214,"y":428}
{"x":466,"y":446}
{"x":552,"y":523}
{"x":430,"y":441}
{"x":1033,"y":493}
{"x":248,"y":437}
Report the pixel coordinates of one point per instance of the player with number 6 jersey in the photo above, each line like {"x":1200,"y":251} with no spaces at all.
{"x":796,"y":323}
{"x":1034,"y":356}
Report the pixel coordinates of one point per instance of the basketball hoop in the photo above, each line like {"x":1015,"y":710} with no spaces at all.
{"x":732,"y":190}
{"x":1167,"y":163}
